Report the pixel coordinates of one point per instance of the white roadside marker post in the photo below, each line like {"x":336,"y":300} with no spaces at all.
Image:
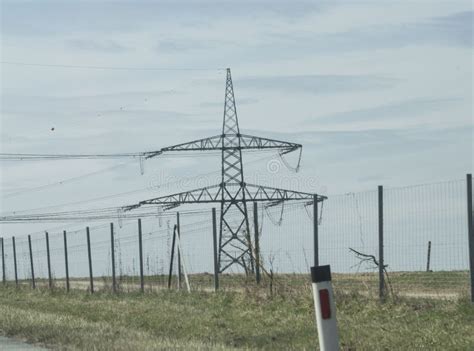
{"x":325,"y":308}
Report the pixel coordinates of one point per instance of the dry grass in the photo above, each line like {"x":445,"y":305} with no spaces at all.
{"x":247,"y":319}
{"x":450,"y":285}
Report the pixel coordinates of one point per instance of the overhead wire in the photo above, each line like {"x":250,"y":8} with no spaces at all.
{"x":122,"y":68}
{"x":42,"y":157}
{"x":94,"y":215}
{"x":141,"y":154}
{"x":63,"y":181}
{"x":106,"y":197}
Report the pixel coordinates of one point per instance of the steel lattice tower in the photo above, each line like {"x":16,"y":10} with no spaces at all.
{"x":233,"y":234}
{"x":233,"y":193}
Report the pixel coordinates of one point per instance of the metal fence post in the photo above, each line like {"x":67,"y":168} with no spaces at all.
{"x":91,"y":277}
{"x":381,"y":261}
{"x":315,"y":230}
{"x":428,"y":258}
{"x":178,"y":233}
{"x":173,"y":244}
{"x":214,"y":241}
{"x":112,"y":253}
{"x":33,"y":284}
{"x":14,"y":261}
{"x":48,"y":257}
{"x":4,"y":276}
{"x":140,"y":248}
{"x":470,"y":231}
{"x":257,"y":243}
{"x":66,"y":261}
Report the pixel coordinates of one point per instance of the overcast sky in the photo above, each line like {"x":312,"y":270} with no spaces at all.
{"x":378,"y":92}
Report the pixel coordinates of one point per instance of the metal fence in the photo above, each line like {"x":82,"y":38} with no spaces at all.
{"x":425,"y":247}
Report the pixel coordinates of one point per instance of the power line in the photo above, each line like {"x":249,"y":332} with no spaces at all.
{"x":128,"y":221}
{"x":106,"y":197}
{"x":134,"y":155}
{"x":63,"y":181}
{"x":26,"y":157}
{"x":109,"y":213}
{"x":119,"y":68}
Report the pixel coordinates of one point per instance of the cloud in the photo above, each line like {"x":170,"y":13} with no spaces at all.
{"x":186,"y":45}
{"x":20,"y":18}
{"x":111,"y":46}
{"x":453,"y":30}
{"x":392,"y":111}
{"x":399,"y":70}
{"x":315,"y":84}
{"x":376,"y":148}
{"x":59,"y":105}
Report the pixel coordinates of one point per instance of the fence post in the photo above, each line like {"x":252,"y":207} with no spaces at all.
{"x":48,"y":257}
{"x":140,"y":248}
{"x":172,"y":256}
{"x":14,"y":261}
{"x":257,"y":243}
{"x":214,"y":241}
{"x":315,"y":230}
{"x":112,"y":253}
{"x":66,"y":260}
{"x":91,"y":277}
{"x":381,"y":262}
{"x":4,"y":276}
{"x":178,"y":233}
{"x":470,"y":231}
{"x":33,"y":284}
{"x":428,"y":258}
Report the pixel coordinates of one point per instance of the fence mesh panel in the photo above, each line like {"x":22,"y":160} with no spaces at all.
{"x":420,"y":216}
{"x":425,"y":246}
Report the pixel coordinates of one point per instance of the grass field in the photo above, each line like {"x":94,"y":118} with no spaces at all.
{"x":243,"y":319}
{"x":451,"y":285}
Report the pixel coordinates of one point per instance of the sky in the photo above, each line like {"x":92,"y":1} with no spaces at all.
{"x":377,"y":92}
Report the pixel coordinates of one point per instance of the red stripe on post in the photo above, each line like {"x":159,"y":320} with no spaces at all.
{"x":324,"y":302}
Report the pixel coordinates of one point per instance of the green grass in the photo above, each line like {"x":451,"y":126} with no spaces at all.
{"x":247,"y":319}
{"x":452,"y":284}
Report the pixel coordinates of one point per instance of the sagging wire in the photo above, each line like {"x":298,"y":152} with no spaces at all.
{"x":120,"y":217}
{"x":160,"y":216}
{"x":142,"y":164}
{"x":320,"y":220}
{"x":287,"y":165}
{"x":280,"y":220}
{"x":310,"y":216}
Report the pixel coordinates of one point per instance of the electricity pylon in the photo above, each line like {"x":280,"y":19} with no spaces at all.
{"x":233,"y":192}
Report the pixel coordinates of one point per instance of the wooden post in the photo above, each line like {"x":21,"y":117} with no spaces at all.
{"x":315,"y":230}
{"x":470,"y":231}
{"x":140,"y":248}
{"x":112,"y":254}
{"x":214,"y":241}
{"x":179,"y":251}
{"x":91,"y":277}
{"x":4,"y":276}
{"x":428,"y":258}
{"x":66,"y":262}
{"x":172,"y":257}
{"x":257,"y":243}
{"x":48,"y":258}
{"x":33,"y":284}
{"x":14,"y":261}
{"x":381,"y":258}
